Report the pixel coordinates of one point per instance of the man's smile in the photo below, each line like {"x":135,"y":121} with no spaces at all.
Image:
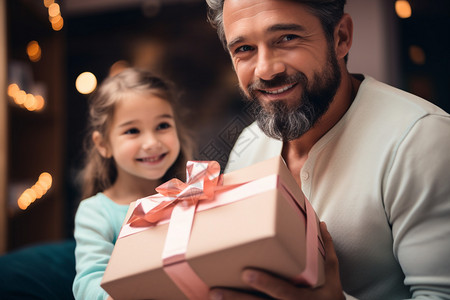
{"x":278,"y":90}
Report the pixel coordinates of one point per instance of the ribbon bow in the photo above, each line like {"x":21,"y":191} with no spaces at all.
{"x":202,"y":177}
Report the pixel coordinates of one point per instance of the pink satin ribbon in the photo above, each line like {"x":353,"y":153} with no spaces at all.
{"x":201,"y":180}
{"x":179,"y":201}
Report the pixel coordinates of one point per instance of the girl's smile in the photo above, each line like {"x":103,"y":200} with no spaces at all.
{"x":152,"y":159}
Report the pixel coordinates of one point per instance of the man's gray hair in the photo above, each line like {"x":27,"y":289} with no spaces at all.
{"x":215,"y":18}
{"x":329,"y":12}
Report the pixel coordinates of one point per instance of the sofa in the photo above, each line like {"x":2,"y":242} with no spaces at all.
{"x":44,"y":271}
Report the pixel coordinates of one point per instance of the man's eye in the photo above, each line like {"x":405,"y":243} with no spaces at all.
{"x":163,"y":126}
{"x":132,"y":131}
{"x":289,"y":37}
{"x":244,"y":48}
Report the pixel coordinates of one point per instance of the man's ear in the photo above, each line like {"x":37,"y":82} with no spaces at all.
{"x":101,"y":144}
{"x":343,"y":36}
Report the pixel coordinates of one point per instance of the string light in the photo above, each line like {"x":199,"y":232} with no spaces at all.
{"x":54,"y":14}
{"x":38,"y":190}
{"x":25,"y":100}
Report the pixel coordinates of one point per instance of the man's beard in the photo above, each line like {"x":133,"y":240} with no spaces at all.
{"x":285,"y":123}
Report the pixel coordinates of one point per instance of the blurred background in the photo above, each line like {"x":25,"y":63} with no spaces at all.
{"x":54,"y":52}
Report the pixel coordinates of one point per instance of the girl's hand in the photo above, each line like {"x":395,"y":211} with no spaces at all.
{"x":280,"y":289}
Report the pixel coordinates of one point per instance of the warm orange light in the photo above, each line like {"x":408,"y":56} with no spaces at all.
{"x":23,"y":202}
{"x":57,"y":23}
{"x":36,"y":191}
{"x":47,"y":3}
{"x":45,"y":179}
{"x":29,"y":102}
{"x":33,"y":48}
{"x":40,"y":102}
{"x":54,"y":10}
{"x":39,"y":190}
{"x":20,"y":97}
{"x":32,"y":194}
{"x":13,"y":89}
{"x":54,"y":14}
{"x":55,"y":19}
{"x":403,"y":9}
{"x":86,"y":83}
{"x":34,"y":51}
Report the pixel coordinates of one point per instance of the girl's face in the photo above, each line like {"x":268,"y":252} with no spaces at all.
{"x":143,"y":137}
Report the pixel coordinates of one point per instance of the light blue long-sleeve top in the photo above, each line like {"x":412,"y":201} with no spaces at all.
{"x":97,"y":225}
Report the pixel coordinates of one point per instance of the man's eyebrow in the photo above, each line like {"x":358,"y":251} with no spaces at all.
{"x":273,"y":28}
{"x":234,"y":42}
{"x":290,"y":27}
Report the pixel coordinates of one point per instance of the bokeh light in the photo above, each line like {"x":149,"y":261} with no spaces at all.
{"x":13,"y":89}
{"x":25,"y":100}
{"x":86,"y":83}
{"x":39,"y":189}
{"x":58,"y":25}
{"x":47,"y":3}
{"x":403,"y":9}
{"x":40,"y":103}
{"x":34,"y":51}
{"x":54,"y":10}
{"x":54,"y":14}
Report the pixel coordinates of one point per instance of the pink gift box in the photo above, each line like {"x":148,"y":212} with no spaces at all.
{"x":263,"y":222}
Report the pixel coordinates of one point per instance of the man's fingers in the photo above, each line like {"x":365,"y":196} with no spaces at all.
{"x":331,"y":260}
{"x":270,"y":285}
{"x":332,"y":276}
{"x":227,"y":294}
{"x":281,"y":289}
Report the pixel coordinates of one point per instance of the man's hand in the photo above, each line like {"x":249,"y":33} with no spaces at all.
{"x":280,"y":289}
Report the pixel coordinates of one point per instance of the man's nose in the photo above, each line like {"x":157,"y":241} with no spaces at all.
{"x":268,"y":65}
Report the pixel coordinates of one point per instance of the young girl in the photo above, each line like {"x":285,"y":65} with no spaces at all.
{"x":133,"y":145}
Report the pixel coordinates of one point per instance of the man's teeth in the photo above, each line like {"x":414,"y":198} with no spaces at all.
{"x":279,"y":91}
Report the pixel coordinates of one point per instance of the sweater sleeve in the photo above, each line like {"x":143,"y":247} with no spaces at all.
{"x":95,"y":241}
{"x":417,"y":204}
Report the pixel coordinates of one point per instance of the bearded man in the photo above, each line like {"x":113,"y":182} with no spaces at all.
{"x":373,"y":160}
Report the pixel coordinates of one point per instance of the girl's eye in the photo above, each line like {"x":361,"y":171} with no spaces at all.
{"x":163,"y":126}
{"x":132,"y":131}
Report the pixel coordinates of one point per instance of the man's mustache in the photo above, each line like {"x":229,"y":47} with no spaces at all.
{"x":278,"y":80}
